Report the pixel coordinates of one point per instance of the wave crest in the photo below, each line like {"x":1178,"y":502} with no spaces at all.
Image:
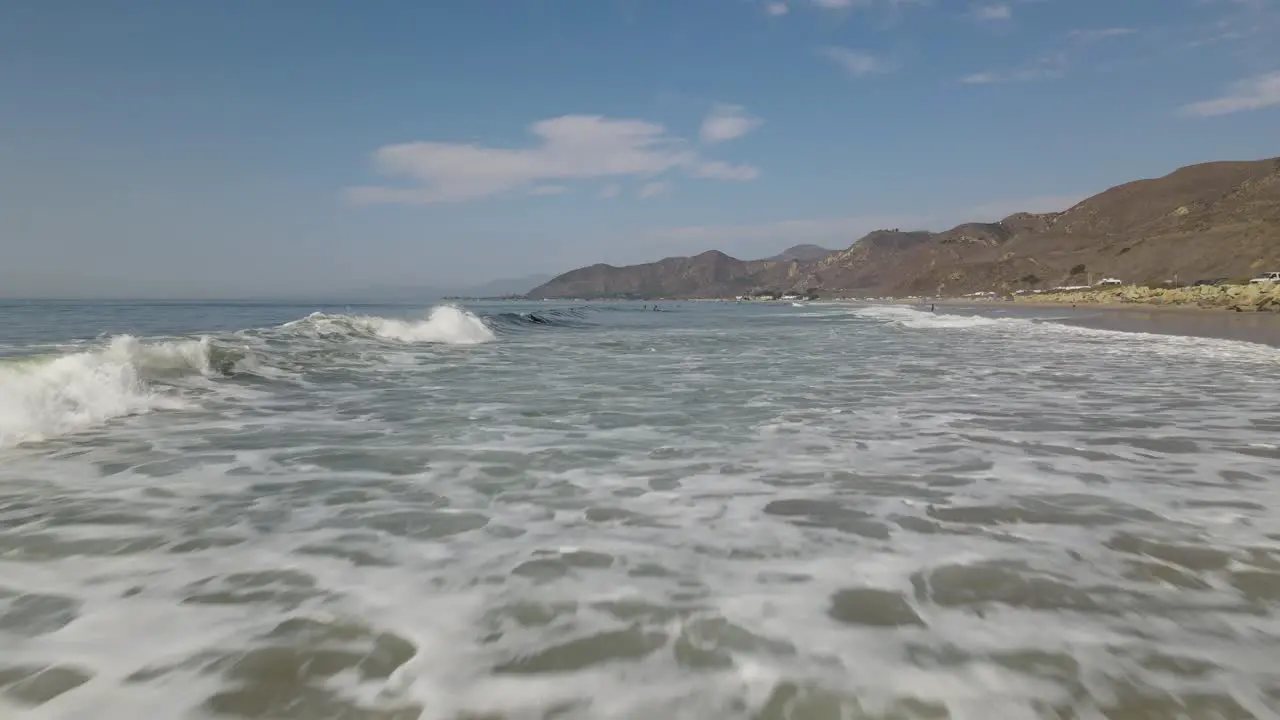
{"x":925,"y":320}
{"x":445,"y":325}
{"x":47,"y":396}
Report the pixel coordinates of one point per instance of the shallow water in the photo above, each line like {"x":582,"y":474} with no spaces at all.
{"x":719,"y":511}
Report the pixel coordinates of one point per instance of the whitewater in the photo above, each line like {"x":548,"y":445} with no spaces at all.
{"x":577,"y":510}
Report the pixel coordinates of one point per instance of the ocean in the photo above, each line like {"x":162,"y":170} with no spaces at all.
{"x":714,"y":511}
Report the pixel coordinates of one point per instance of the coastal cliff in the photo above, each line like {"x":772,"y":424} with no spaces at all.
{"x":1218,"y":220}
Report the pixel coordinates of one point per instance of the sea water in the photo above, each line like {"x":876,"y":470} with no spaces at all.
{"x":713,"y":511}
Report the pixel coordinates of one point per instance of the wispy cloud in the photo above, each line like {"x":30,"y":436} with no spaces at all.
{"x":570,"y":147}
{"x":857,"y":63}
{"x":717,"y":170}
{"x":727,"y":122}
{"x":654,"y":189}
{"x":1245,"y":29}
{"x":1045,"y":67}
{"x":548,"y":190}
{"x":992,"y":12}
{"x":777,"y":9}
{"x":852,"y":4}
{"x":1092,"y":35}
{"x":890,"y":11}
{"x":1051,"y":65}
{"x":1254,"y":93}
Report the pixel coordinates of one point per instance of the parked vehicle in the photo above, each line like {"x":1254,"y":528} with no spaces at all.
{"x":1271,"y":277}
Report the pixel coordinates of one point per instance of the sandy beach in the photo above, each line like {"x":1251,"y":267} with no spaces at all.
{"x":1263,"y":328}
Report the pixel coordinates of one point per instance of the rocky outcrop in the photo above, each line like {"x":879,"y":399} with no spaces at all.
{"x":1240,"y":298}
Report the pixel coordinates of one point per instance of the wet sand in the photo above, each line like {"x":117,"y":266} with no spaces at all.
{"x":1263,"y":328}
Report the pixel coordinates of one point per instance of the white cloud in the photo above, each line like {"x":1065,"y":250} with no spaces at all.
{"x":777,"y":9}
{"x":1255,"y":93}
{"x":727,"y":122}
{"x":570,"y":147}
{"x":996,"y":12}
{"x":653,"y":189}
{"x":857,"y":63}
{"x":612,"y":190}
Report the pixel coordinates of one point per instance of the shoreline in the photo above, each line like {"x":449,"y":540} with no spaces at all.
{"x":1252,"y":298}
{"x":1261,"y":328}
{"x":1125,"y":307}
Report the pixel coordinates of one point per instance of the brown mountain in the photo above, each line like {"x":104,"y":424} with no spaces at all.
{"x":711,"y":274}
{"x":1213,"y":220}
{"x":803,"y":253}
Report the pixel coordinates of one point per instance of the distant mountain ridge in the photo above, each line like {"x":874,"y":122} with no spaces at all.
{"x":802,"y":252}
{"x":1211,"y":220}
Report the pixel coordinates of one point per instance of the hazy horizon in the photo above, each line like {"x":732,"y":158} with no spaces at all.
{"x":244,"y":150}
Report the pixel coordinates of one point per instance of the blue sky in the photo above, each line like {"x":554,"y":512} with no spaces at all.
{"x":240,"y":147}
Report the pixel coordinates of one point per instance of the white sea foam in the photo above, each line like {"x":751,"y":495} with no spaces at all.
{"x":446,"y":325}
{"x":46,"y":396}
{"x":911,"y":318}
{"x":654,"y":522}
{"x":1096,"y":340}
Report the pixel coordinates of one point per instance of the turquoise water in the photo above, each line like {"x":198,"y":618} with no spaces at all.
{"x":716,"y":511}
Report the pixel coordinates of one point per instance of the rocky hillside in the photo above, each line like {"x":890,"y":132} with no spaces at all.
{"x":803,"y":253}
{"x":1214,"y":220}
{"x":711,"y":274}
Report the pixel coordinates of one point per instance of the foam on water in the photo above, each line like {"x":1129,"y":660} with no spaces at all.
{"x":740,"y":514}
{"x":1101,"y":340}
{"x":911,"y":318}
{"x":445,"y":324}
{"x":48,"y":396}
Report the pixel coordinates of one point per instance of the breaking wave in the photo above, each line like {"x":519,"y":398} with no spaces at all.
{"x":47,"y":396}
{"x":555,"y":317}
{"x":445,"y":325}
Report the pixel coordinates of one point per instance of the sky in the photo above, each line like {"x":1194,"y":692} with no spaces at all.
{"x":238,"y":148}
